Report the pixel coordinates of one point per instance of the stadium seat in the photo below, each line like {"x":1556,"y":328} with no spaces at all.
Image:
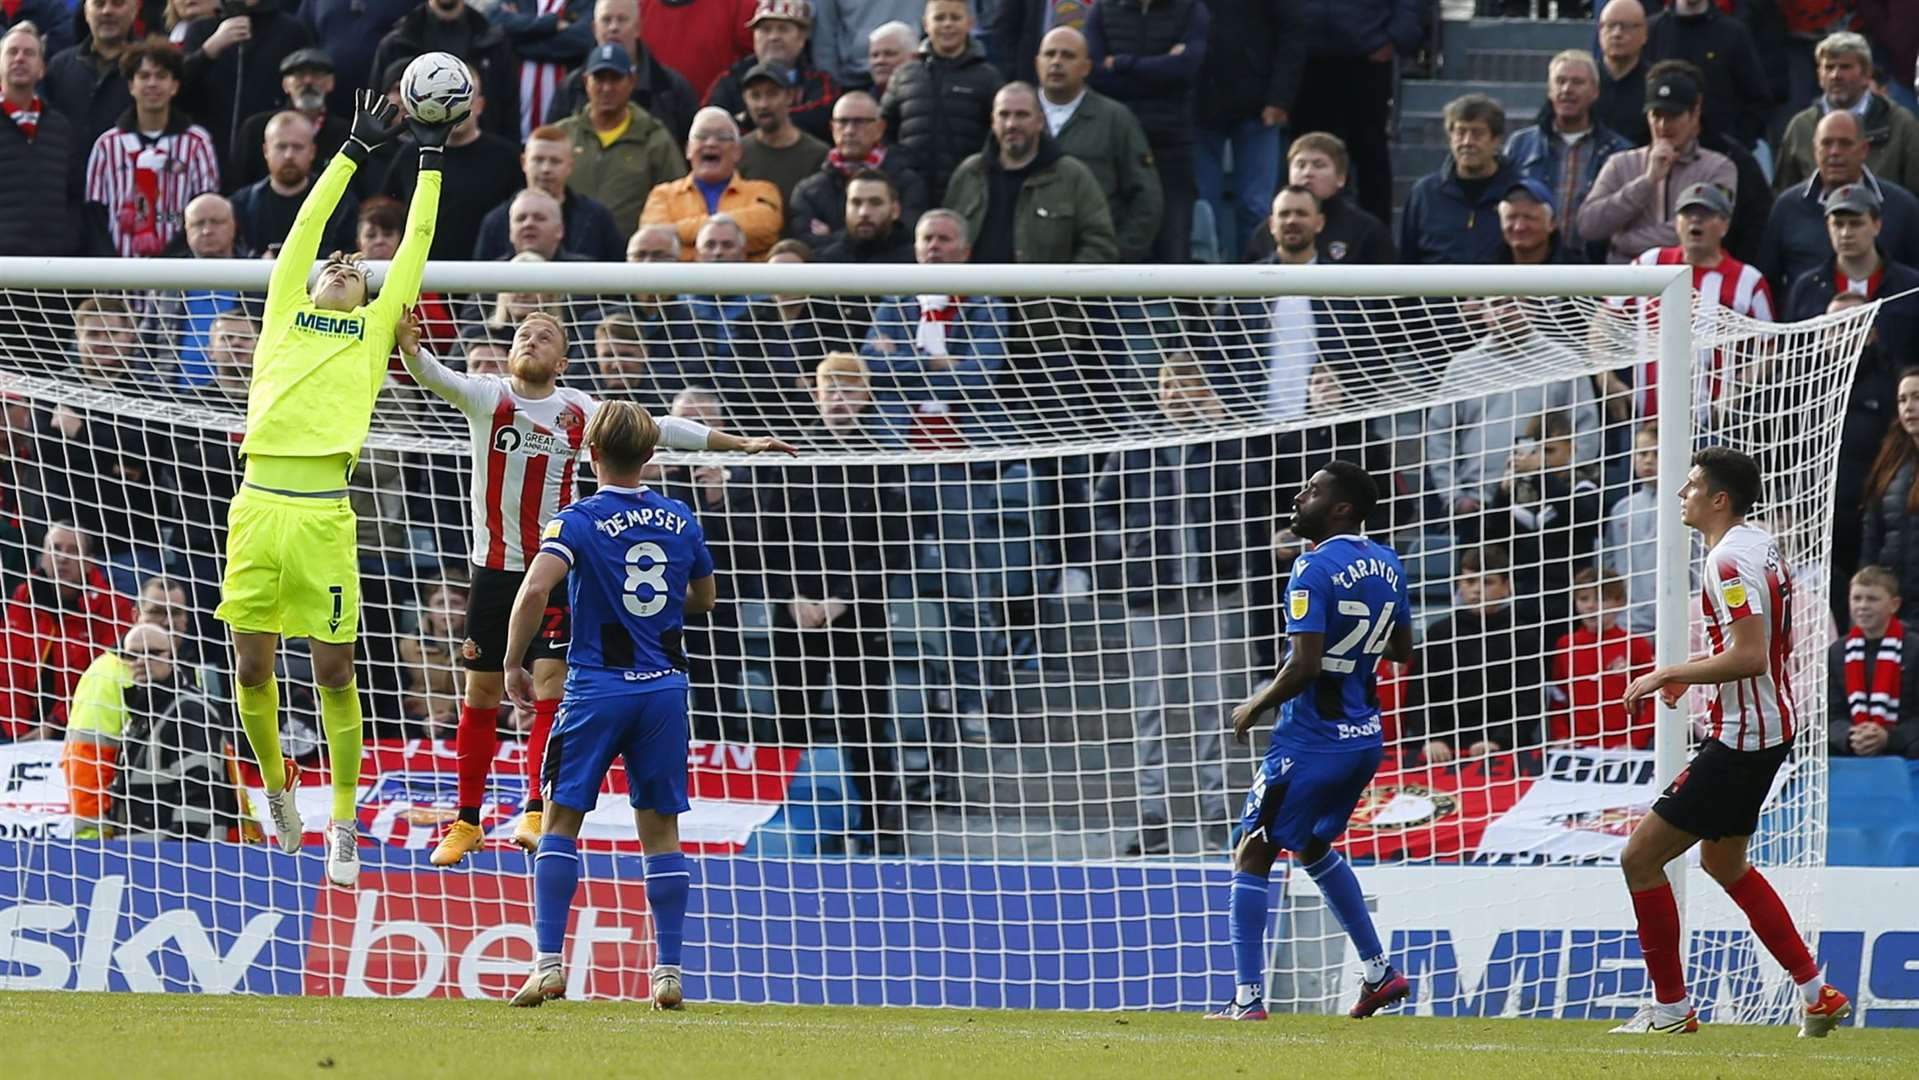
{"x":1903,"y":848}
{"x":817,"y":811}
{"x":1887,"y":777}
{"x":1867,"y":810}
{"x":1853,"y":847}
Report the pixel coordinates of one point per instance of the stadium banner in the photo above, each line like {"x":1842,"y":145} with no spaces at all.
{"x":222,"y":918}
{"x":1583,"y":806}
{"x":409,"y":791}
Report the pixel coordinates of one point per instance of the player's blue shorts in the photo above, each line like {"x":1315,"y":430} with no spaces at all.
{"x":1298,"y":797}
{"x":648,"y":730}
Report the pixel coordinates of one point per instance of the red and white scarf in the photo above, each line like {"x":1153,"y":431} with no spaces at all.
{"x":936,"y":311}
{"x":1873,"y":696}
{"x":27,"y":118}
{"x":874,"y":159}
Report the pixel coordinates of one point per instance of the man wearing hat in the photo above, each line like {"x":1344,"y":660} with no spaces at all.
{"x":1859,"y":266}
{"x":780,"y":32}
{"x":306,"y":81}
{"x":1796,"y":240}
{"x":620,"y":151}
{"x":1528,"y":229}
{"x":1635,"y":196}
{"x":233,"y":65}
{"x":775,"y":150}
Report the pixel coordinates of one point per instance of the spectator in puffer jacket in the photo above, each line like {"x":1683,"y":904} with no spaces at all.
{"x":780,"y":30}
{"x":939,"y":105}
{"x":1452,"y":215}
{"x":1567,"y":146}
{"x":1148,"y":55}
{"x":1349,"y":68}
{"x":37,"y":217}
{"x":1891,"y":502}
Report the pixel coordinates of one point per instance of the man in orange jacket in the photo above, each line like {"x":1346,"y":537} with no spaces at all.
{"x":715,"y":187}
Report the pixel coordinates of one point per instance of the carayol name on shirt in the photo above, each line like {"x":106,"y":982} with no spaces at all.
{"x":1365,"y":568}
{"x":652,"y":516}
{"x":318,"y":322}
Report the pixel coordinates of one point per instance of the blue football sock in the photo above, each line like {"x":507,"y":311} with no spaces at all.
{"x":556,"y":874}
{"x":668,"y":879}
{"x":1340,"y":887}
{"x":1252,"y":895}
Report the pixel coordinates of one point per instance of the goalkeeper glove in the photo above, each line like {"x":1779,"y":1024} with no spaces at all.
{"x":432,"y":139}
{"x":375,"y":119}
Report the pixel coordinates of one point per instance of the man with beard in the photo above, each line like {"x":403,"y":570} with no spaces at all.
{"x":775,"y":150}
{"x":306,"y":78}
{"x":1023,"y":200}
{"x":145,"y":751}
{"x":527,"y":434}
{"x":874,"y":233}
{"x":264,"y":210}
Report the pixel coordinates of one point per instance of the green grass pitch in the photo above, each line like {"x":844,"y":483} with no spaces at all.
{"x":73,"y":1036}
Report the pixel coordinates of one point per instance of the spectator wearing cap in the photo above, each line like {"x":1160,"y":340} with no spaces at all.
{"x":550,"y":39}
{"x":1860,"y":267}
{"x":264,"y":210}
{"x":1632,"y":199}
{"x":1023,"y":199}
{"x":1317,"y":162}
{"x":662,"y":93}
{"x":1528,"y":229}
{"x":1845,"y":82}
{"x":620,"y":151}
{"x":775,"y":150}
{"x":37,"y":215}
{"x":939,"y":104}
{"x":700,"y":39}
{"x":306,"y":83}
{"x":714,"y":186}
{"x":1622,"y":70}
{"x":816,"y":211}
{"x":780,"y":30}
{"x":1452,"y":214}
{"x":547,"y":164}
{"x":1796,"y":240}
{"x":842,"y":31}
{"x":1737,"y":95}
{"x":1148,"y":55}
{"x":233,"y":65}
{"x":1104,"y":136}
{"x":1567,"y":146}
{"x":453,"y":26}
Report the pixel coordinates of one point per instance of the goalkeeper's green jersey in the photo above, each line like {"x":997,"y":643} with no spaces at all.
{"x":316,"y":373}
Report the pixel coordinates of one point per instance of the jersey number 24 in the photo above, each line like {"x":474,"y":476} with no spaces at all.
{"x":1339,"y":659}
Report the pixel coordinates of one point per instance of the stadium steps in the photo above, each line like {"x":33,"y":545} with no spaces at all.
{"x":1504,"y":58}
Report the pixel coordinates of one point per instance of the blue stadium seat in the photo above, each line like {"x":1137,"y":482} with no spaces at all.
{"x":1867,"y":810}
{"x":817,"y":811}
{"x":1885,"y":777}
{"x":1853,"y":847}
{"x":1903,"y":848}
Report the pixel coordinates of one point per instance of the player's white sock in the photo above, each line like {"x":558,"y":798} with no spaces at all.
{"x":547,"y":961}
{"x":1674,"y":1010}
{"x":1376,"y":967}
{"x":1809,"y":990}
{"x":1247,"y":993}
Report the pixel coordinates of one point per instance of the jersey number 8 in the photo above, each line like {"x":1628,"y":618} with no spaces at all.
{"x":645,"y":565}
{"x":1338,"y":659}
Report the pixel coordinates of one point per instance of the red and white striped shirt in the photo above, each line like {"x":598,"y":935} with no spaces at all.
{"x":1746,"y":576}
{"x":539,"y":79}
{"x":1731,"y":285}
{"x":145,"y":183}
{"x":525,"y":455}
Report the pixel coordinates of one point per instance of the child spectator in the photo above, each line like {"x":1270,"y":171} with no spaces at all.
{"x":1480,"y":668}
{"x":1867,"y":676}
{"x":1593,"y":665}
{"x":430,"y":659}
{"x":1632,"y":527}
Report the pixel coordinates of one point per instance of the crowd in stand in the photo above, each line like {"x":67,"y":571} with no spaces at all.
{"x":1776,"y":163}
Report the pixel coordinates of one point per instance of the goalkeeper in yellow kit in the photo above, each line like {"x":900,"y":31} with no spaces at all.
{"x":292,"y":551}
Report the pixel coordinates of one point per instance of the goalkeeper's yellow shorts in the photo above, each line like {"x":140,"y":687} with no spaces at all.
{"x":293,"y":567}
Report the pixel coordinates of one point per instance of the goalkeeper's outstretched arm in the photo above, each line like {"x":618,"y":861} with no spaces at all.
{"x":374,"y":121}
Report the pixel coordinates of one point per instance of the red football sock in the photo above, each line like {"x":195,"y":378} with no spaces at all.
{"x":1770,"y":920}
{"x":476,"y":743}
{"x":536,"y":749}
{"x":1658,"y":915}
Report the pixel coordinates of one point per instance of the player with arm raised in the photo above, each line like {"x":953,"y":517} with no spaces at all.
{"x":635,"y":564}
{"x":1345,"y":608}
{"x":292,"y":553}
{"x":526,"y":436}
{"x":1746,"y":596}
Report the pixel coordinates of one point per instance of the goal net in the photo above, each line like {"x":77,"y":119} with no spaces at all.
{"x":962,"y":718}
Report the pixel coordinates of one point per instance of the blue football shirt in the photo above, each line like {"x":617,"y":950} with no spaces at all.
{"x":632,"y":552}
{"x":1352,"y":591}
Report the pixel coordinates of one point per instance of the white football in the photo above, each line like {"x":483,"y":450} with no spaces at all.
{"x":437,"y":88}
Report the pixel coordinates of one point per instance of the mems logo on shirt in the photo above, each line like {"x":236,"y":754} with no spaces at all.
{"x":319,"y":322}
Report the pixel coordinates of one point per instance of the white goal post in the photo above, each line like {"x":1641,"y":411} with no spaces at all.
{"x":947,"y":823}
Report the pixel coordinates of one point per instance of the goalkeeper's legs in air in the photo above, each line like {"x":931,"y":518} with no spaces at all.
{"x":257,"y":694}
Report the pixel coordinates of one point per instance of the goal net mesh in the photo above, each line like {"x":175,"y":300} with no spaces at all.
{"x":962,"y":719}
